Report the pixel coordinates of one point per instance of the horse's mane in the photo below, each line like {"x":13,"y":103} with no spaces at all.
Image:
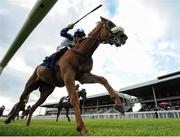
{"x":80,"y":40}
{"x":97,"y":27}
{"x":99,"y":23}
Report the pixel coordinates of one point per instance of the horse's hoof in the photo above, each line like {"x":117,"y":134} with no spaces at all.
{"x":27,"y":124}
{"x":84,"y":132}
{"x":7,"y":121}
{"x":120,"y":109}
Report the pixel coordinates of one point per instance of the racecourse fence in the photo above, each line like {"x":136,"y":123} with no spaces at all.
{"x":128,"y":115}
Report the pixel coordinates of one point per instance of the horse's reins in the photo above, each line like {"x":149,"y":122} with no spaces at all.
{"x":99,"y":40}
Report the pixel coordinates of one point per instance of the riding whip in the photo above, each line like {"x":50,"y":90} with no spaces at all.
{"x":88,"y":14}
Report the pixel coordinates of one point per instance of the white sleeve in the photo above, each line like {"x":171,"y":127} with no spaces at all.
{"x":65,"y":43}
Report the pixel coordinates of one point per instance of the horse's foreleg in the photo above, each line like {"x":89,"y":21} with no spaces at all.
{"x":59,"y":110}
{"x":44,"y":94}
{"x":70,"y":85}
{"x":91,"y":78}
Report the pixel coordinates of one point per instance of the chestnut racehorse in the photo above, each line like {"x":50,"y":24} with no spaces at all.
{"x":75,"y":64}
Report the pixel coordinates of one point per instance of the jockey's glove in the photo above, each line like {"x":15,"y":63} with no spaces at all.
{"x":70,"y":26}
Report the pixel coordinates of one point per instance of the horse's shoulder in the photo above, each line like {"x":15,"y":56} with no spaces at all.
{"x":67,"y":56}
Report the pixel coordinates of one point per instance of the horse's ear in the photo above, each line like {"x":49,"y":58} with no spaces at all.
{"x":103,"y":19}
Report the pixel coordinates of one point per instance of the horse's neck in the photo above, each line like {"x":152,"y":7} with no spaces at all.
{"x":87,"y":46}
{"x":90,"y":44}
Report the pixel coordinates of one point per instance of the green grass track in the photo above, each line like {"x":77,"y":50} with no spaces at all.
{"x":98,"y":127}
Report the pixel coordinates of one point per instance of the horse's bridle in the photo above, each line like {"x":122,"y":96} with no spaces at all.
{"x":105,"y":40}
{"x":112,"y":37}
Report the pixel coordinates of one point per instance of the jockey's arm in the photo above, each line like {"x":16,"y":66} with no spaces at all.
{"x":64,"y":32}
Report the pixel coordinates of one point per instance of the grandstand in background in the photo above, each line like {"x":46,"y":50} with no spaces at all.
{"x":162,"y":93}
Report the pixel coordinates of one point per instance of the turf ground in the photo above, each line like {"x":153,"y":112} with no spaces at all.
{"x":98,"y":127}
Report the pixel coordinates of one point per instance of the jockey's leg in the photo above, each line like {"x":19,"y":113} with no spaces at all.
{"x":69,"y":81}
{"x":45,"y":90}
{"x":91,"y":78}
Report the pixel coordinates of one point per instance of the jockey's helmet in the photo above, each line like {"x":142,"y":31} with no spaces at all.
{"x":79,"y":32}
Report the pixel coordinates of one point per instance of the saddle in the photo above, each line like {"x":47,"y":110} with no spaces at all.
{"x":50,"y":61}
{"x":48,"y":69}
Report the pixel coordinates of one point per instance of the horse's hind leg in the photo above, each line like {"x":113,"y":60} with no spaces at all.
{"x":67,"y":114}
{"x":59,"y":110}
{"x":91,"y":78}
{"x":45,"y":90}
{"x":32,"y":84}
{"x":80,"y":108}
{"x":25,"y":117}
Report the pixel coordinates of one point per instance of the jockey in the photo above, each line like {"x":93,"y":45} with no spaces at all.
{"x":70,"y":39}
{"x":66,"y":44}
